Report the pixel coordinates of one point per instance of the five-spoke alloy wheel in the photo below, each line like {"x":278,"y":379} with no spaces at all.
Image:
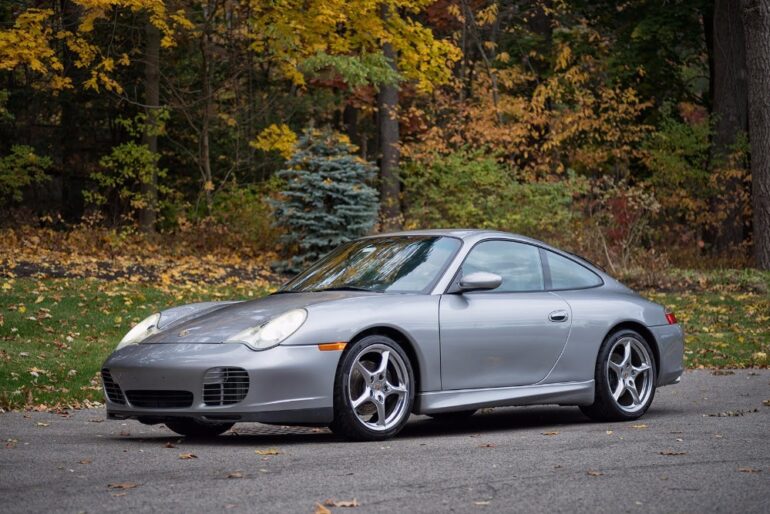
{"x":624,"y":378}
{"x":374,"y":389}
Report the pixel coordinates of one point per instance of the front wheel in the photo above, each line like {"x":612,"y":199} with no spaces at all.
{"x":373,"y":390}
{"x":624,"y":377}
{"x":191,"y":427}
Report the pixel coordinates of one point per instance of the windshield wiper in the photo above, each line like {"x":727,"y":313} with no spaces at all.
{"x":343,"y":287}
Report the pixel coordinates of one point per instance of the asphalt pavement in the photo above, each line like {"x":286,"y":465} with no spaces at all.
{"x":704,"y":446}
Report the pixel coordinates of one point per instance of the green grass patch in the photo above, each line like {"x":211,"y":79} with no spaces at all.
{"x":55,"y":333}
{"x":722,"y":329}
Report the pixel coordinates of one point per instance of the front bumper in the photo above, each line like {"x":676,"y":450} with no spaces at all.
{"x":670,"y":339}
{"x":287,"y":384}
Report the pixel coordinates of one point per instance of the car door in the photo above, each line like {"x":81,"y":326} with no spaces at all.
{"x":509,"y":336}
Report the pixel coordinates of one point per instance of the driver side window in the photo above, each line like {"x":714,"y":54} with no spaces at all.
{"x":517,"y":263}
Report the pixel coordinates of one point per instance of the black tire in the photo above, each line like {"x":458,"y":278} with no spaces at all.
{"x":605,"y":407}
{"x":346,"y":422}
{"x":453,"y":417}
{"x":191,"y":427}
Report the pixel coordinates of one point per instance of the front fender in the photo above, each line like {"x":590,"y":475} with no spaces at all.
{"x":413,"y":315}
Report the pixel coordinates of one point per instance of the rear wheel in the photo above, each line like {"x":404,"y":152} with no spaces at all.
{"x":191,"y":427}
{"x":373,"y":390}
{"x":624,"y":378}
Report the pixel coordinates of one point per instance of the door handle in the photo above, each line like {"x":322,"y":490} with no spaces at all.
{"x":558,"y":316}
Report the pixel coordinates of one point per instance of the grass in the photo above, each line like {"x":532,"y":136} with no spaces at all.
{"x":722,"y":329}
{"x":56,"y":332}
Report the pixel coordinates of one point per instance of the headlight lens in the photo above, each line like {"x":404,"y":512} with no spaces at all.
{"x":272,"y":333}
{"x":141,"y":331}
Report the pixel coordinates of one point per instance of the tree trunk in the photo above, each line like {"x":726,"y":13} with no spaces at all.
{"x":148,"y":215}
{"x":350,"y":123}
{"x":204,"y":148}
{"x":390,"y":186}
{"x":731,"y":110}
{"x":756,"y":21}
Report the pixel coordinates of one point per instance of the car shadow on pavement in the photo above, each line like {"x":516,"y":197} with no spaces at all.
{"x":509,"y":419}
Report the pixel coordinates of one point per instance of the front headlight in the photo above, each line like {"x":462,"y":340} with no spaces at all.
{"x":272,"y":333}
{"x":141,"y":331}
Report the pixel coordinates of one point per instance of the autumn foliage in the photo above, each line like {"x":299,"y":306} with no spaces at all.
{"x":594,"y":125}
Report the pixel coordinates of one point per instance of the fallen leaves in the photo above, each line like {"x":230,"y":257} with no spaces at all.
{"x":41,"y":424}
{"x":235,"y":474}
{"x":123,"y":485}
{"x":187,"y":456}
{"x":550,"y":433}
{"x":672,"y":452}
{"x":766,"y":403}
{"x":169,"y":444}
{"x":268,"y":451}
{"x":749,"y":470}
{"x":85,"y":461}
{"x":320,"y":509}
{"x":732,"y":413}
{"x":340,"y":503}
{"x":594,"y":473}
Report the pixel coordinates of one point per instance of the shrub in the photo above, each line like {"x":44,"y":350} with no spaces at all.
{"x":465,"y":189}
{"x":327,"y":199}
{"x":127,"y":168}
{"x":247,"y":214}
{"x":21,"y":168}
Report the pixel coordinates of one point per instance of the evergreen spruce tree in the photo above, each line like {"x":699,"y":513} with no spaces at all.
{"x":328,"y":199}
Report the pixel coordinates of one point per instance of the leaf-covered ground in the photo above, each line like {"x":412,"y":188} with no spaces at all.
{"x":64,"y":305}
{"x":56,"y":332}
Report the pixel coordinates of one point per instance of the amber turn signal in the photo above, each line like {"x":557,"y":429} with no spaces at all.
{"x":332,"y":347}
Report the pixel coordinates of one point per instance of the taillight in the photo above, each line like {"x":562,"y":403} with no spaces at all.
{"x":671,"y":318}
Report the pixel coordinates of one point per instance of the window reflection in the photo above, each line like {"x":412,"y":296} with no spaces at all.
{"x":384,"y":264}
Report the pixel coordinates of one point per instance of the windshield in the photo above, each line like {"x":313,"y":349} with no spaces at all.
{"x":397,"y":264}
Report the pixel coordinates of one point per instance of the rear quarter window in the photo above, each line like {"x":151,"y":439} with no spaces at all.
{"x":568,"y":274}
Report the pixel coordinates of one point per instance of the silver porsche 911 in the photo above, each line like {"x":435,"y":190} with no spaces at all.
{"x":436,"y":322}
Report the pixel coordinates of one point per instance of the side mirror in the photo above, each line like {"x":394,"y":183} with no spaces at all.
{"x":480,"y":281}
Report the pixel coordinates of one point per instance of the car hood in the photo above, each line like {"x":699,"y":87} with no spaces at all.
{"x":217,"y":325}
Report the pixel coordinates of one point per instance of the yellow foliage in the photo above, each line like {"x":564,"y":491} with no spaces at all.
{"x":30,"y":42}
{"x":288,"y":31}
{"x":278,"y":138}
{"x":572,"y":119}
{"x":27,"y":44}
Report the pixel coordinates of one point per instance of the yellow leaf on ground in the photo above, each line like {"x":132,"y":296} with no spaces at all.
{"x":341,"y":503}
{"x":269,"y":451}
{"x":320,"y":509}
{"x":123,"y":485}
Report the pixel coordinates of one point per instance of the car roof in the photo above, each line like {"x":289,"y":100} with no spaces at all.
{"x":473,"y":235}
{"x":461,"y":233}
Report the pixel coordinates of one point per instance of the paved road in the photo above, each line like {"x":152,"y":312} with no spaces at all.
{"x":703,"y":447}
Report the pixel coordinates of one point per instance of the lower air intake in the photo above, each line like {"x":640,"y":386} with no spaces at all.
{"x":150,"y":399}
{"x":111,"y":389}
{"x":225,"y":386}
